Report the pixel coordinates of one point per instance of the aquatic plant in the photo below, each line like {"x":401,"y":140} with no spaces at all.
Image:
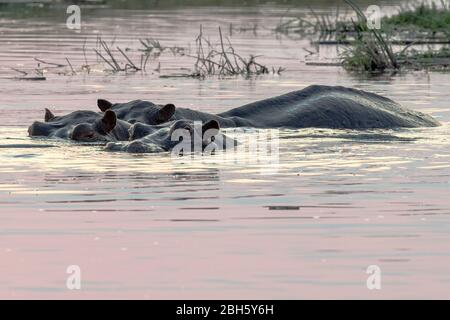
{"x":371,"y":50}
{"x":113,"y":60}
{"x":221,"y":59}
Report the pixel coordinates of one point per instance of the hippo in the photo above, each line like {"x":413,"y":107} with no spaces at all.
{"x":179,"y":136}
{"x":316,"y":106}
{"x":84,"y":126}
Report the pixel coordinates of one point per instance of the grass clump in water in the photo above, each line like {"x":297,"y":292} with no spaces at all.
{"x":223,"y":60}
{"x":371,"y":50}
{"x":425,"y":18}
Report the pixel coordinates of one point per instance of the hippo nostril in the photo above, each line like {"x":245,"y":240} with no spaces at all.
{"x":132,"y":121}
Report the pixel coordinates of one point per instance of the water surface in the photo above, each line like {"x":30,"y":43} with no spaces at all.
{"x":151,"y":226}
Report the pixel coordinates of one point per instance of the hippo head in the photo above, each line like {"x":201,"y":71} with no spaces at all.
{"x":139,"y":111}
{"x":180,"y":137}
{"x":85,"y":126}
{"x":98,"y":130}
{"x":140,"y":130}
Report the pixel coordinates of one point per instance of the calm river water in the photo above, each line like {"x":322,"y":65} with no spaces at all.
{"x":151,"y":226}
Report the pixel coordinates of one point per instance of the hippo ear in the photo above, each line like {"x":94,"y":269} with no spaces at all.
{"x":211,"y":125}
{"x":104,"y":105}
{"x":166,"y":112}
{"x":49,"y":116}
{"x":109,"y":121}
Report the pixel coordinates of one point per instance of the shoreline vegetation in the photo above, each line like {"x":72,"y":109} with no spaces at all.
{"x":419,"y":20}
{"x":417,"y":37}
{"x":372,"y":50}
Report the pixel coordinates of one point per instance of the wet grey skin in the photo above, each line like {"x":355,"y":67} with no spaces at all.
{"x":166,"y":137}
{"x":83,"y":126}
{"x":139,"y":111}
{"x":313,"y":107}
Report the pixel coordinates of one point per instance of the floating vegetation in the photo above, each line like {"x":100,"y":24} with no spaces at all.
{"x":433,"y":59}
{"x":37,"y":76}
{"x":110,"y":59}
{"x":221,"y":59}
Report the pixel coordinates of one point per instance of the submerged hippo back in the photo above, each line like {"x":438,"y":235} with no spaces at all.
{"x":330,"y":107}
